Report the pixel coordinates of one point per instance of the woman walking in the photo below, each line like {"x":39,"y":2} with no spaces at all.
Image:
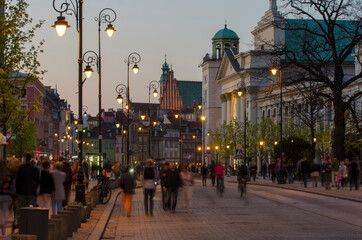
{"x":187,"y":182}
{"x":59,"y":195}
{"x":47,"y":187}
{"x":148,"y":180}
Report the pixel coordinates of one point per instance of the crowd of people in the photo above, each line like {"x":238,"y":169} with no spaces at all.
{"x":27,"y":182}
{"x":329,"y":173}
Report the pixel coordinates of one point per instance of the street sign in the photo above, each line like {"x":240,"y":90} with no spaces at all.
{"x":238,"y":146}
{"x":239,"y":152}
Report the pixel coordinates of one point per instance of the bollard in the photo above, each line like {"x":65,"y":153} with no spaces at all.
{"x":32,"y":221}
{"x":51,"y":231}
{"x":23,"y":237}
{"x":64,"y":225}
{"x":71,"y":218}
{"x":86,"y":212}
{"x":77,"y":213}
{"x":58,"y":233}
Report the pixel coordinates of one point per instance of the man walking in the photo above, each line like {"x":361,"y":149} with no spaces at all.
{"x":27,"y":181}
{"x":173,"y":183}
{"x":163,"y":185}
{"x":149,"y":186}
{"x":204,"y":174}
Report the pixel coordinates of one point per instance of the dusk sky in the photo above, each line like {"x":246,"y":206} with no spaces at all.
{"x":152,"y":28}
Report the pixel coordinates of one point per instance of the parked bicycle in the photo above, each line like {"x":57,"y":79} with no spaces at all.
{"x":105,"y":193}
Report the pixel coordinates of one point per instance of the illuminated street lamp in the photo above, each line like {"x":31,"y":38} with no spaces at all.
{"x":154,"y":85}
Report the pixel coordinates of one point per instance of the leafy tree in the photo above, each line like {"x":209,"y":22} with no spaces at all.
{"x":25,"y":141}
{"x":18,"y":64}
{"x":322,"y":43}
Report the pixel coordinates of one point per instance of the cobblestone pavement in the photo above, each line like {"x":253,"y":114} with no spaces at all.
{"x":298,"y":185}
{"x":265,"y":213}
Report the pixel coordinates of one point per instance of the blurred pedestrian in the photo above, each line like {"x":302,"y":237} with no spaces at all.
{"x":264,"y":170}
{"x":354,"y":172}
{"x":204,"y":174}
{"x":87,"y":172}
{"x":219,"y":171}
{"x":186,"y":193}
{"x":128,"y":184}
{"x":59,"y":194}
{"x":173,"y":183}
{"x":290,"y":171}
{"x":253,"y":171}
{"x":272,"y":167}
{"x":7,"y":194}
{"x":163,"y":185}
{"x":68,"y":181}
{"x":27,"y":181}
{"x":315,"y":171}
{"x":342,"y":175}
{"x":47,"y":187}
{"x":149,"y":181}
{"x":304,"y":170}
{"x":212,"y":172}
{"x":327,"y":170}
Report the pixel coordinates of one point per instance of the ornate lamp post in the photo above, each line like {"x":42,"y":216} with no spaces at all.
{"x":242,"y":91}
{"x":276,"y":63}
{"x":75,"y":7}
{"x":154,"y":85}
{"x":133,"y":58}
{"x":200,"y":106}
{"x":121,"y":89}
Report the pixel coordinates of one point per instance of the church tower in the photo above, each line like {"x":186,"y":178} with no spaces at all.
{"x":224,"y":39}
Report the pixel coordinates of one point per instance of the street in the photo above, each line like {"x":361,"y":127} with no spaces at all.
{"x":265,"y":213}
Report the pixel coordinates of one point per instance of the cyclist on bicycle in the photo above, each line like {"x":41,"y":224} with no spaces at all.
{"x":219,"y":171}
{"x":243,"y":172}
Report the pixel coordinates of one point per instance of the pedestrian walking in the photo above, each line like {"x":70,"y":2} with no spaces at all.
{"x":7,"y":194}
{"x":204,"y":173}
{"x":149,"y":180}
{"x":290,"y":171}
{"x":212,"y":172}
{"x":342,"y":175}
{"x":264,"y":170}
{"x":327,"y":170}
{"x":315,"y":171}
{"x":354,"y":171}
{"x":27,"y":181}
{"x":272,"y":171}
{"x":253,"y":171}
{"x":87,"y":172}
{"x":163,"y":185}
{"x":46,"y":186}
{"x":59,"y":194}
{"x":128,"y":183}
{"x":173,"y":185}
{"x":68,"y":181}
{"x":186,"y":193}
{"x":304,"y":170}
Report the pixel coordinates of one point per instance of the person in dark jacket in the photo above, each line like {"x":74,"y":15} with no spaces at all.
{"x":253,"y":171}
{"x":47,"y":187}
{"x":149,"y":186}
{"x":173,"y":183}
{"x":68,"y":181}
{"x":212,"y":172}
{"x":128,"y":184}
{"x":315,"y":171}
{"x":304,"y":170}
{"x":264,"y":170}
{"x":163,"y":184}
{"x":27,"y":181}
{"x":204,"y":173}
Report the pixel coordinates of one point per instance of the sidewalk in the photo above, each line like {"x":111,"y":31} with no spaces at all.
{"x":299,"y":186}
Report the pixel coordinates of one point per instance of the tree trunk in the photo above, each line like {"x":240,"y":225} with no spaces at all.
{"x":339,"y":131}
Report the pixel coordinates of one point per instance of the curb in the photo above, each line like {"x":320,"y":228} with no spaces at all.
{"x":303,"y":190}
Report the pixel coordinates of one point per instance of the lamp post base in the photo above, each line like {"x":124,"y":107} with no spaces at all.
{"x":281,"y":179}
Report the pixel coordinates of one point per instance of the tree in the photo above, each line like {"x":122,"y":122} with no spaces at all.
{"x":18,"y":64}
{"x":25,"y":140}
{"x":325,"y":35}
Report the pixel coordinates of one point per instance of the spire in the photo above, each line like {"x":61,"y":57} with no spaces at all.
{"x":273,"y":5}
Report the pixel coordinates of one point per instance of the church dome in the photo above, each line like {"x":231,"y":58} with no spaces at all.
{"x":225,"y":33}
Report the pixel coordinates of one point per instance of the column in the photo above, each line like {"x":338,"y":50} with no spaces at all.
{"x":238,"y":108}
{"x":223,"y":108}
{"x":228,"y":108}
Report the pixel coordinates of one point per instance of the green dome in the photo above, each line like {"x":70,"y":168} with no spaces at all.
{"x":225,"y":33}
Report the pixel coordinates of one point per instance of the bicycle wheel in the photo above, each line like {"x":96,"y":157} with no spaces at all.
{"x":105,"y":195}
